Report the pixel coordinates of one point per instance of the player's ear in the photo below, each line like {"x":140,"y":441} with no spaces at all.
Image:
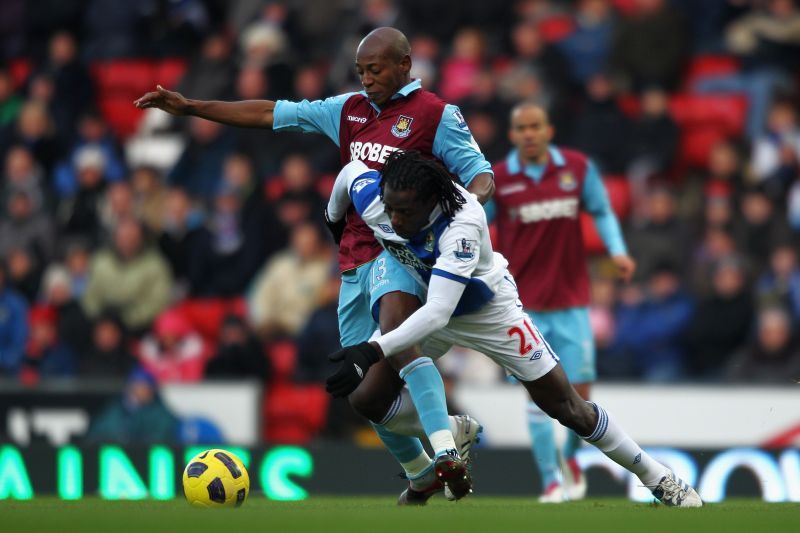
{"x":405,"y":64}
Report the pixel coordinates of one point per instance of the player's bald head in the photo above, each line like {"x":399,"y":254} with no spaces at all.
{"x":386,"y":41}
{"x":525,"y":108}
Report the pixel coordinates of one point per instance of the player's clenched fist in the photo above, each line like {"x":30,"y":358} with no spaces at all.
{"x":170,"y":101}
{"x":355,"y":360}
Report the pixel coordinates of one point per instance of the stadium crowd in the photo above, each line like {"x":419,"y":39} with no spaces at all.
{"x":198,"y":251}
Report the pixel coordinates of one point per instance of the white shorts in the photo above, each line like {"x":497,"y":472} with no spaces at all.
{"x":502,"y":331}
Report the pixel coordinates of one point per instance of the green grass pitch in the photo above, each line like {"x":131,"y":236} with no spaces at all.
{"x":380,"y":514}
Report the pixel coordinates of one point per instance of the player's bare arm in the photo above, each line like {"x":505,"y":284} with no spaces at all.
{"x":482,"y":186}
{"x":245,"y":113}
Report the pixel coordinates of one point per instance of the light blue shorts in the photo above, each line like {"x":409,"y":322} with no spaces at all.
{"x":361,"y":291}
{"x":569,"y":333}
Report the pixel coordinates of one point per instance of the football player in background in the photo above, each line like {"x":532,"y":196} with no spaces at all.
{"x":541,"y":190}
{"x":392,"y":113}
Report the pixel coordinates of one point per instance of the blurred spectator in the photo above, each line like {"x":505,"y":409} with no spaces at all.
{"x":460,"y":70}
{"x":73,"y":88}
{"x":24,"y":272}
{"x":34,"y":130}
{"x":27,"y":226}
{"x":602,"y":130}
{"x":776,"y":154}
{"x":117,"y":204}
{"x":228,"y":251}
{"x":264,"y":46}
{"x":79,"y":213}
{"x":768,"y":36}
{"x":321,"y":329}
{"x":13,"y":327}
{"x":779,"y":284}
{"x":93,"y":132}
{"x":288,"y":288}
{"x":10,"y":102}
{"x":759,"y":228}
{"x":76,"y":259}
{"x":653,"y":241}
{"x":173,"y":350}
{"x":129,"y":277}
{"x":46,"y":356}
{"x":298,"y":200}
{"x":199,"y":167}
{"x":721,"y":324}
{"x":654,"y":135}
{"x":601,"y":313}
{"x":587,"y":48}
{"x":72,"y":325}
{"x":717,"y":245}
{"x":139,"y":416}
{"x":150,"y":196}
{"x":651,"y":46}
{"x":209,"y":74}
{"x":23,"y":174}
{"x":724,"y":169}
{"x":239,"y":353}
{"x":424,"y":59}
{"x":180,"y":227}
{"x":108,"y":356}
{"x":537,"y":72}
{"x":773,"y":357}
{"x":650,"y":328}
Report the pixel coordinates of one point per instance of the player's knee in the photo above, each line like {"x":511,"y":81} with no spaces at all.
{"x":363,"y":404}
{"x":573,"y":413}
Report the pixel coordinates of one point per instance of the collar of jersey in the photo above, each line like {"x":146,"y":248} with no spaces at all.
{"x":515,"y":166}
{"x":435,"y":216}
{"x":402,"y":93}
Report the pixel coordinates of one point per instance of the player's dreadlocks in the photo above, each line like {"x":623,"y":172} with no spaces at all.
{"x":409,"y":171}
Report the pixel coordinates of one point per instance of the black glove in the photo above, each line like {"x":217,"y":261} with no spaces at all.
{"x":355,"y":362}
{"x":336,"y":228}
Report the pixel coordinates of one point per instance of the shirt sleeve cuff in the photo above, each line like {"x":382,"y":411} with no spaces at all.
{"x":285,"y":115}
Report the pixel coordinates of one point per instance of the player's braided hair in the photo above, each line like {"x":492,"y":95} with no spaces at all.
{"x":409,"y":171}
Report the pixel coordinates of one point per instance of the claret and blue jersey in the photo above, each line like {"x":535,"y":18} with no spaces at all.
{"x":458,"y":249}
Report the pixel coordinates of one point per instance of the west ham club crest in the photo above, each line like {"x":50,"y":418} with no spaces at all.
{"x":402,"y":128}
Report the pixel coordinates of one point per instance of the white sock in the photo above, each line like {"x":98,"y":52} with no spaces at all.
{"x":402,"y":417}
{"x":418,"y":470}
{"x":620,"y":448}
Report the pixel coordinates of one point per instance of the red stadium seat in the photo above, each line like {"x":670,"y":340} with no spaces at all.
{"x":325,"y":184}
{"x":619,"y":193}
{"x":696,"y":144}
{"x":206,"y":314}
{"x":294,"y":414}
{"x":725,"y":111}
{"x":273,"y":188}
{"x":626,"y":7}
{"x":554,"y":29}
{"x":19,"y":69}
{"x":125,"y":76}
{"x":283,"y":359}
{"x":168,"y":72}
{"x":709,"y":65}
{"x":121,"y":114}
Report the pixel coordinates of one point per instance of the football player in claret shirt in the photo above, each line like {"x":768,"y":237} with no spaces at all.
{"x":392,"y":113}
{"x":439,"y":232}
{"x":541,"y":190}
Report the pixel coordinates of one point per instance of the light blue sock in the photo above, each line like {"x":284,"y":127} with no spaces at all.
{"x":427,"y":392}
{"x":571,"y":446}
{"x":404,"y":448}
{"x":543,"y":445}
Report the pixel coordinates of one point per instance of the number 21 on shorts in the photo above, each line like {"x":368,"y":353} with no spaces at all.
{"x":527,"y":334}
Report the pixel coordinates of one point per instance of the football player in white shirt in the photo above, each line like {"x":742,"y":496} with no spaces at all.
{"x":437,"y":229}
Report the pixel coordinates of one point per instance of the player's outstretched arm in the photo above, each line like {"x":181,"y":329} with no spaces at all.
{"x":245,"y":113}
